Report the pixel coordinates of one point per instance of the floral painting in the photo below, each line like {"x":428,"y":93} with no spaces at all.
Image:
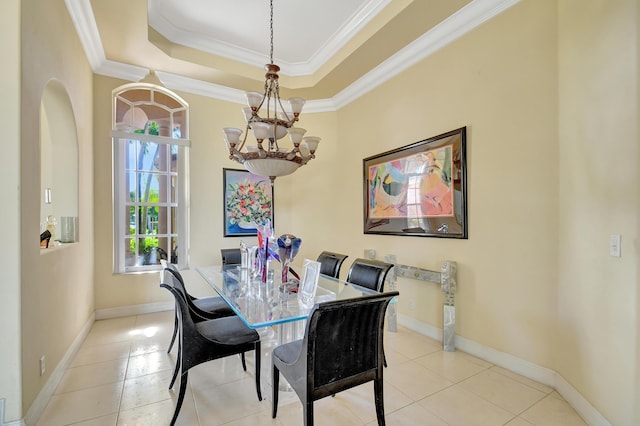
{"x":248,"y":202}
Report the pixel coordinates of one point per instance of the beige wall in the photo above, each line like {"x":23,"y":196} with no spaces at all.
{"x":597,"y":324}
{"x":500,"y":82}
{"x":10,"y":382}
{"x":57,"y":287}
{"x":539,"y":96}
{"x":531,"y":273}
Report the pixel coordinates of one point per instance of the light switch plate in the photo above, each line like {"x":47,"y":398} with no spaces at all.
{"x":614,"y":245}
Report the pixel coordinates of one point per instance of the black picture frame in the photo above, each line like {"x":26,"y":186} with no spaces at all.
{"x":418,"y":190}
{"x":244,"y":199}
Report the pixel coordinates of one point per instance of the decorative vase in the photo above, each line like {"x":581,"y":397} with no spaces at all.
{"x":245,"y":225}
{"x":266,"y":253}
{"x":288,"y":247}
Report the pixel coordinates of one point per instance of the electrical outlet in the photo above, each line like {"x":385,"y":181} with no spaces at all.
{"x":412,"y":304}
{"x":42,"y":365}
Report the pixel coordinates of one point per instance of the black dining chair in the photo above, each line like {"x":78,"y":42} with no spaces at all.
{"x":341,"y":349}
{"x":205,"y":307}
{"x":369,"y":273}
{"x":330,"y":263}
{"x":209,"y":340}
{"x":231,"y":256}
{"x":197,"y":314}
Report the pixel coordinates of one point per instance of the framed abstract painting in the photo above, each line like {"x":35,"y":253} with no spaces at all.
{"x":418,"y":189}
{"x":248,"y":200}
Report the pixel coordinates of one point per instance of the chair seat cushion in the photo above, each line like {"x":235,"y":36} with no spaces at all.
{"x":289,"y":352}
{"x":228,"y":330}
{"x":213,"y":304}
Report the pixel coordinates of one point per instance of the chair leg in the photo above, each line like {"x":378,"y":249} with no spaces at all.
{"x":183,"y":388}
{"x":308,"y":413}
{"x":275,"y":384}
{"x":244,"y":363}
{"x":257,"y":361}
{"x":379,"y":398}
{"x":175,"y":333}
{"x":178,"y":362}
{"x":384,"y":356}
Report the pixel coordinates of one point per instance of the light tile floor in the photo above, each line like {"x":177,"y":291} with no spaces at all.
{"x":121,"y":373}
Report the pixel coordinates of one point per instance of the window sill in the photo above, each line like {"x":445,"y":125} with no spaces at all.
{"x":56,"y":247}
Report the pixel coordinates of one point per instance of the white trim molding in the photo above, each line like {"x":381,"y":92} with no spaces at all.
{"x":460,"y":23}
{"x":45,"y":394}
{"x":517,"y":365}
{"x":455,"y":26}
{"x":12,"y":423}
{"x":520,"y":366}
{"x":40,"y":403}
{"x":201,"y":41}
{"x":126,"y":311}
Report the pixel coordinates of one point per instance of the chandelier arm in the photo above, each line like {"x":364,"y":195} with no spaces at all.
{"x":273,"y":93}
{"x":265,"y":95}
{"x":244,"y":139}
{"x":279,"y":162}
{"x":289,"y":120}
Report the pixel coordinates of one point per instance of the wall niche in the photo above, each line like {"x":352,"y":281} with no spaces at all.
{"x":58,"y":166}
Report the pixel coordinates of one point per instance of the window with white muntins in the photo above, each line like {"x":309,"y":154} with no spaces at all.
{"x":150,"y":178}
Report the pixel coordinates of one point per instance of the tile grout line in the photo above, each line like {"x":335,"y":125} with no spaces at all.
{"x":124,"y":379}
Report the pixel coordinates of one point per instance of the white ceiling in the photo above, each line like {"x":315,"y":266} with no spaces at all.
{"x":305,"y":31}
{"x":330,"y":51}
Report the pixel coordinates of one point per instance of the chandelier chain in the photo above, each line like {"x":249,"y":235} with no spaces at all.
{"x":271,"y":28}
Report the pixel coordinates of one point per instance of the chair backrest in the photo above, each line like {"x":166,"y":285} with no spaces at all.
{"x":343,"y":342}
{"x":188,"y":330}
{"x":330,"y":263}
{"x":166,"y":265}
{"x":369,"y":273}
{"x":174,"y":279}
{"x":181,"y":308}
{"x":231,"y":256}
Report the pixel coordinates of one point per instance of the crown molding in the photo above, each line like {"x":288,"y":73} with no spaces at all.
{"x":460,"y":23}
{"x":449,"y":30}
{"x":333,"y":45}
{"x":83,"y":19}
{"x":199,"y":87}
{"x":205,"y":43}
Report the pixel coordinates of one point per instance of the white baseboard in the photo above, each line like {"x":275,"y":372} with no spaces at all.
{"x":525,"y":368}
{"x":41,"y":401}
{"x":2,"y":422}
{"x":512,"y":363}
{"x":420,"y":327}
{"x":126,"y":311}
{"x":520,"y":366}
{"x":579,"y":403}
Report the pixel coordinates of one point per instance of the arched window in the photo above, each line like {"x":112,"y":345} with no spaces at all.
{"x":150,"y":145}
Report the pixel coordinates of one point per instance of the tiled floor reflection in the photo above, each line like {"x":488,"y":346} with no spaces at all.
{"x":121,"y":374}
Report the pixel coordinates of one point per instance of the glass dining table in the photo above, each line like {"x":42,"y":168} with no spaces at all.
{"x":262,"y":305}
{"x":278,"y":316}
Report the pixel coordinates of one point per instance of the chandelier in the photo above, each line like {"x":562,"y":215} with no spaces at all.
{"x":270,"y":122}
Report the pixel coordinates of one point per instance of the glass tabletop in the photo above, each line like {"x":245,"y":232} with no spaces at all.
{"x":261,"y":305}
